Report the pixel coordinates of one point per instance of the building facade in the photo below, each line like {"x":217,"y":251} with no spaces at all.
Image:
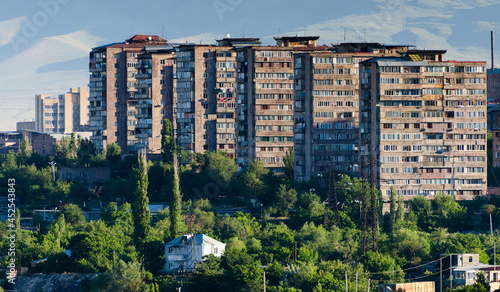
{"x":113,"y":86}
{"x":327,"y":107}
{"x":423,"y":125}
{"x":266,"y":100}
{"x":155,"y":71}
{"x":66,"y":114}
{"x":185,"y":251}
{"x":25,"y":126}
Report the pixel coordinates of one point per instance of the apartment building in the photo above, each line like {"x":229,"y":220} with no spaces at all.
{"x":113,"y":70}
{"x":206,"y":96}
{"x":493,"y":81}
{"x":155,"y":72}
{"x":327,"y":105}
{"x":25,"y":126}
{"x":265,"y":100}
{"x":66,"y":114}
{"x":423,"y":125}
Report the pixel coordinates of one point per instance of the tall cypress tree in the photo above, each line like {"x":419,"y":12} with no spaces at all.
{"x":168,"y":143}
{"x":392,"y":214}
{"x":170,"y":155}
{"x":140,"y":211}
{"x":400,"y":214}
{"x":175,"y":203}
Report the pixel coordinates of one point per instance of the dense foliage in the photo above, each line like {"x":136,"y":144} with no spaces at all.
{"x":290,"y":242}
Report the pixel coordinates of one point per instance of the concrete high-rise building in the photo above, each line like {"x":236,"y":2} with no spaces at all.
{"x":25,"y":126}
{"x":155,"y":96}
{"x":265,"y":100}
{"x":66,"y":114}
{"x":113,"y":82}
{"x":205,"y":110}
{"x":423,"y":125}
{"x":327,"y":107}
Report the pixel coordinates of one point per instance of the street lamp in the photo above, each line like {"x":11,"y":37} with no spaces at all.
{"x":53,"y":164}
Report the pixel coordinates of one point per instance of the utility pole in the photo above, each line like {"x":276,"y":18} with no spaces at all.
{"x":368,"y":286}
{"x":356,"y":281}
{"x":345,"y":281}
{"x":451,"y":276}
{"x":491,"y":226}
{"x":264,"y":281}
{"x":441,"y":274}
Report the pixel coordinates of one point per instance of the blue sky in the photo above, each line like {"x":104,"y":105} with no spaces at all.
{"x":44,"y":44}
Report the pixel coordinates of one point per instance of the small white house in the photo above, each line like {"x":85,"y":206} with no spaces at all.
{"x":185,"y":251}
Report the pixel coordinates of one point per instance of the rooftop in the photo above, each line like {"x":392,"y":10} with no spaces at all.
{"x":137,"y":41}
{"x":200,"y":239}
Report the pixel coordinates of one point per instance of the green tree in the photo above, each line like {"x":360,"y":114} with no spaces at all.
{"x":72,"y":214}
{"x":113,"y":153}
{"x":242,"y":272}
{"x":140,"y":209}
{"x":84,"y":152}
{"x":209,"y":176}
{"x":175,"y":203}
{"x":449,"y":213}
{"x":126,"y":277}
{"x":286,"y":198}
{"x":288,"y":160}
{"x":25,"y":151}
{"x":400,"y":214}
{"x":308,"y":208}
{"x":379,"y":263}
{"x":392,"y":212}
{"x":422,"y":209}
{"x":95,"y":251}
{"x":208,"y":276}
{"x":168,"y":142}
{"x":254,"y":177}
{"x":66,"y":151}
{"x":410,"y":244}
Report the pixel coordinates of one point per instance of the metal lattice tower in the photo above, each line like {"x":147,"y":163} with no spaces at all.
{"x":364,"y":200}
{"x":331,"y":196}
{"x":191,"y":252}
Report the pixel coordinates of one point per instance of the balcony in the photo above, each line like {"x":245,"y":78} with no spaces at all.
{"x":143,"y":116}
{"x":143,"y":126}
{"x":143,"y":76}
{"x":141,"y":95}
{"x":142,"y":135}
{"x":142,"y":85}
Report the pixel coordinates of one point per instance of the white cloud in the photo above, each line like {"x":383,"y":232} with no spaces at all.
{"x":485,"y":25}
{"x":8,"y":29}
{"x":53,"y":49}
{"x":458,"y":4}
{"x":21,"y":82}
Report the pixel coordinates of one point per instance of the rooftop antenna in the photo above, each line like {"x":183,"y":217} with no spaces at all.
{"x":345,"y":31}
{"x":492,"y":51}
{"x":163,"y":31}
{"x":364,"y":35}
{"x":201,"y":39}
{"x":243,"y":33}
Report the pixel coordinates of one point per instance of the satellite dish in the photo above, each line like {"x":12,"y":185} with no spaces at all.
{"x":150,"y":38}
{"x":228,"y":36}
